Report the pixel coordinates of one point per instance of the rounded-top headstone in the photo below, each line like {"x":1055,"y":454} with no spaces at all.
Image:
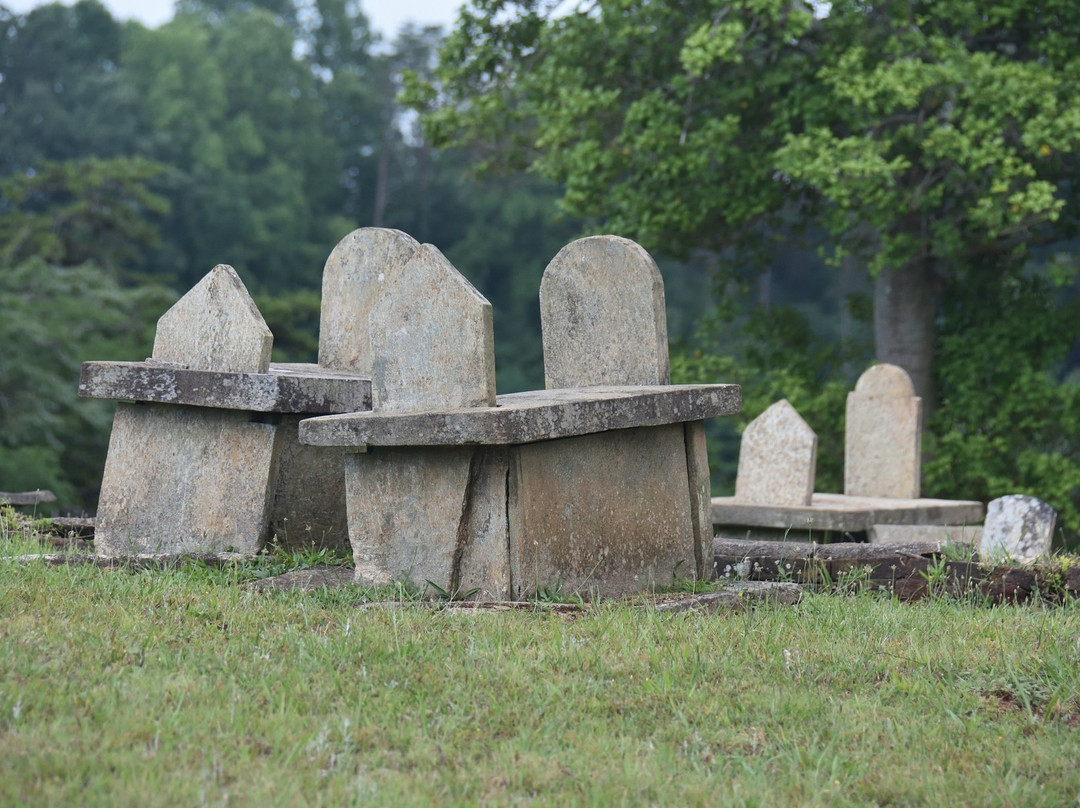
{"x":215,"y":326}
{"x":359,"y":268}
{"x":890,"y":381}
{"x":602,"y":315}
{"x":777,"y":458}
{"x":1018,"y":528}
{"x":432,"y":343}
{"x":883,"y":433}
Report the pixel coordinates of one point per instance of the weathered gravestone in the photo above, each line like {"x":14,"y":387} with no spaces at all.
{"x":1018,"y":529}
{"x":208,"y":460}
{"x":777,"y":458}
{"x":422,"y":513}
{"x":882,"y":435}
{"x":214,"y":466}
{"x":599,"y":489}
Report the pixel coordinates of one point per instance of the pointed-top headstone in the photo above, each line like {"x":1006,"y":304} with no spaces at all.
{"x":602,"y":314}
{"x":215,"y":326}
{"x":882,"y":453}
{"x":362,"y":264}
{"x":432,"y":343}
{"x":777,"y":458}
{"x":1018,"y":529}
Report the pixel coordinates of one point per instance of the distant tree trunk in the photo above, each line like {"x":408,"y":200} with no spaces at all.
{"x":905,"y":306}
{"x":382,"y":177}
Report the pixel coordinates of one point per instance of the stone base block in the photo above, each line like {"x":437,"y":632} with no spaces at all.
{"x":606,"y":514}
{"x":182,"y":479}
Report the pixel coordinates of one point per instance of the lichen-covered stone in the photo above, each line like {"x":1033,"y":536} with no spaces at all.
{"x":1018,"y":529}
{"x":603,"y":317}
{"x":777,"y":458}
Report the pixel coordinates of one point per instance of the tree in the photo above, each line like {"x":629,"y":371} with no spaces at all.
{"x":926,"y":140}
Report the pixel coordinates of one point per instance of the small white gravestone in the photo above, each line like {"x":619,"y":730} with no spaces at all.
{"x":777,"y":458}
{"x":603,"y":316}
{"x":182,"y":479}
{"x":882,"y":436}
{"x":1018,"y":529}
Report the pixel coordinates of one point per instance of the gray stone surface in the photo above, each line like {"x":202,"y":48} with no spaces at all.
{"x":185,"y":480}
{"x":942,"y":534}
{"x":284,"y":388}
{"x":1018,"y":529}
{"x":308,"y":501}
{"x":430,"y":516}
{"x":882,"y":453}
{"x":215,"y":326}
{"x":528,"y":417}
{"x":844,"y":513}
{"x":603,"y":317}
{"x":603,"y":514}
{"x":363,"y":264}
{"x":777,"y":458}
{"x":697,"y":472}
{"x":432,"y":342}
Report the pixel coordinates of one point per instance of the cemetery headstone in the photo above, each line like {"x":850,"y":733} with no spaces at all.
{"x":777,"y":458}
{"x":1018,"y":529}
{"x":882,"y":436}
{"x":215,"y":465}
{"x":602,"y":306}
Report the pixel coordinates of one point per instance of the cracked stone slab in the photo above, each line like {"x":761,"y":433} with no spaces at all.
{"x":529,"y":417}
{"x":285,"y":388}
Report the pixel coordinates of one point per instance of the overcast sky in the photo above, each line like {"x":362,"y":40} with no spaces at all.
{"x":386,"y":16}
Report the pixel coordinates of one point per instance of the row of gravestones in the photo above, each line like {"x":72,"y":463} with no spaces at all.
{"x":212,"y":456}
{"x":882,"y":459}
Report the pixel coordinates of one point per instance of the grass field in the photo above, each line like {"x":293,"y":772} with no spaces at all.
{"x":182,"y":687}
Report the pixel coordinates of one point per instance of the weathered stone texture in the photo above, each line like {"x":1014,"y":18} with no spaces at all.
{"x":297,"y":388}
{"x":942,"y":534}
{"x":882,"y":453}
{"x":1017,"y":529}
{"x":215,"y":326}
{"x":309,"y":493}
{"x":432,"y":341}
{"x":429,"y":515}
{"x":185,"y":479}
{"x":359,"y":270}
{"x":606,"y":513}
{"x":697,"y":471}
{"x":603,"y":316}
{"x":528,"y":417}
{"x":777,"y":458}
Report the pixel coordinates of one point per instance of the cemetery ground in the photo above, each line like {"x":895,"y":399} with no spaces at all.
{"x":184,"y":685}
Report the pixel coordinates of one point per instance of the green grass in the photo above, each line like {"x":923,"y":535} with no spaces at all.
{"x":180,"y":687}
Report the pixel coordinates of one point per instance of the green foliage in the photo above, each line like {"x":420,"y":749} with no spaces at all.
{"x":1008,"y":423}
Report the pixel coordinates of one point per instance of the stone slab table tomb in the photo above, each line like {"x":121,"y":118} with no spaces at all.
{"x":774,"y":490}
{"x":203,"y":455}
{"x":597,"y":485}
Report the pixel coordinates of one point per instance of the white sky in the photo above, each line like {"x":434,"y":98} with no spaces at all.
{"x":386,"y":16}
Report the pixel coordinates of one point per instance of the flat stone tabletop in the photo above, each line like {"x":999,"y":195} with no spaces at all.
{"x":850,"y":514}
{"x":286,"y":388}
{"x":529,"y":417}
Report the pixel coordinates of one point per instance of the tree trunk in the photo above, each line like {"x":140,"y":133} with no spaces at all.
{"x":905,"y":306}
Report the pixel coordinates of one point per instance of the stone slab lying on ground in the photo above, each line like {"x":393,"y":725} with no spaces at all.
{"x":287,"y":388}
{"x":1018,"y":529}
{"x":735,"y":596}
{"x":22,"y":498}
{"x":306,"y":580}
{"x":954,"y":534}
{"x":136,"y":561}
{"x":528,"y":417}
{"x":847,"y":514}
